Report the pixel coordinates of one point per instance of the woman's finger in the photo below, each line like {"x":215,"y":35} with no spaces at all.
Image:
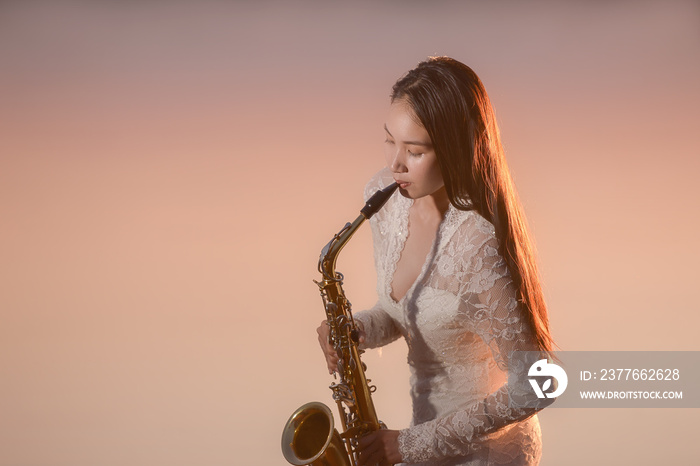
{"x":371,"y":457}
{"x":366,"y":440}
{"x":369,"y":449}
{"x":328,"y":350}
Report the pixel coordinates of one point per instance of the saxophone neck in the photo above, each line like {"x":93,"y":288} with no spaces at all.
{"x":329,"y":253}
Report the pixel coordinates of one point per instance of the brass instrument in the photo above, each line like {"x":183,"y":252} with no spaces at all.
{"x":309,"y":437}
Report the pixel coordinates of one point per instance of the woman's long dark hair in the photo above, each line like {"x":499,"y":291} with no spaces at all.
{"x":451,"y":103}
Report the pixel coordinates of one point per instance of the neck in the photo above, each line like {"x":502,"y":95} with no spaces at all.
{"x":437,"y":203}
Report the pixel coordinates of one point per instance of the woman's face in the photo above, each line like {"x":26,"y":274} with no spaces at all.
{"x":409,"y":153}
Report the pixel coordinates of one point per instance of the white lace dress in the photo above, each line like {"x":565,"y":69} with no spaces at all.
{"x":460,"y":320}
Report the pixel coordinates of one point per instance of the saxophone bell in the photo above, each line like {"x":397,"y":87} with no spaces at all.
{"x":310,"y":438}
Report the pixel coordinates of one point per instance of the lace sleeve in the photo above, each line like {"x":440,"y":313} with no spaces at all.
{"x":380,"y":329}
{"x":488,"y":297}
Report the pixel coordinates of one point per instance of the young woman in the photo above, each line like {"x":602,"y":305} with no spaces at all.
{"x":456,"y":278}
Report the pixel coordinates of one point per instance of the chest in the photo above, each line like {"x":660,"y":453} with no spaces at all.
{"x":422,"y":232}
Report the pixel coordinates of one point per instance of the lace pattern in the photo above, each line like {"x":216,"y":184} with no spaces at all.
{"x":461,"y":321}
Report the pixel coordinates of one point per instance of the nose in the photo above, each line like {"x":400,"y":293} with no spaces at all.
{"x":396,"y":162}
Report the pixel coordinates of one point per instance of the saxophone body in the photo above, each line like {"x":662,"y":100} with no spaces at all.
{"x":309,"y":436}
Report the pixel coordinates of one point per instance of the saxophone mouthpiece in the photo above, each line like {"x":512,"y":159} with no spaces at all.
{"x":378,"y":200}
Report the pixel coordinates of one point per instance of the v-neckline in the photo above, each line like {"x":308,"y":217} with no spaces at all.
{"x":401,"y":245}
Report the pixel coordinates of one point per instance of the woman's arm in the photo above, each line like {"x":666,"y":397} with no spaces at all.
{"x":378,"y":327}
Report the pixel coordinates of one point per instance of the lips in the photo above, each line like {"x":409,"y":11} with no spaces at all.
{"x":402,"y":184}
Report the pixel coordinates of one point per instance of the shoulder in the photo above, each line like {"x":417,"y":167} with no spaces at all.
{"x":470,"y":227}
{"x":472,"y":245}
{"x":380,"y":180}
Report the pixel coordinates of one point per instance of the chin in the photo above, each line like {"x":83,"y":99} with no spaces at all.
{"x":409,"y":195}
{"x":405,"y":193}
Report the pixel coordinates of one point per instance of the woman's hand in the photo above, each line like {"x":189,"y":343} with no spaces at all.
{"x":324,"y":333}
{"x":381,"y":447}
{"x":329,"y":352}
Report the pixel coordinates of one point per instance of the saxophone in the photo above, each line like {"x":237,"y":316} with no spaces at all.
{"x":309,"y":437}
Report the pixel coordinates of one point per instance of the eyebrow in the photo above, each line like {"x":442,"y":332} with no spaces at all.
{"x":411,"y":143}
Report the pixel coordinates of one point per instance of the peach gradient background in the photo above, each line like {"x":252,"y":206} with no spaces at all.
{"x":170,"y":170}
